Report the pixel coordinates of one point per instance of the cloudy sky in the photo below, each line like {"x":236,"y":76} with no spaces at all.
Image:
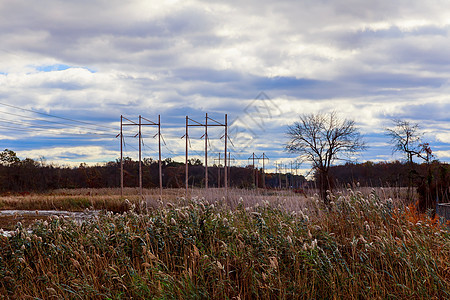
{"x":69,"y":69}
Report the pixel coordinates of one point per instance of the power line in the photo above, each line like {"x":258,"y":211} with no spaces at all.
{"x":24,"y":123}
{"x":28,"y":117}
{"x":15,"y":128}
{"x":53,"y":116}
{"x":61,"y":134}
{"x":148,"y":147}
{"x":43,"y":120}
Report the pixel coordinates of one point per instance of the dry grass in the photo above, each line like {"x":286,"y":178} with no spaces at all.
{"x":362,"y":246}
{"x":109,"y":198}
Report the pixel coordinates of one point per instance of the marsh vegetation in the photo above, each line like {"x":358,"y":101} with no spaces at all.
{"x":364,"y":244}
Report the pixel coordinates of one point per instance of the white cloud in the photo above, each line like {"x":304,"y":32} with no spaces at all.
{"x":443,"y":137}
{"x":68,"y":155}
{"x":370,"y":61}
{"x":443,"y":155}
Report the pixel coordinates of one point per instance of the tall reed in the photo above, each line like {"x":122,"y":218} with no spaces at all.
{"x":360,"y":246}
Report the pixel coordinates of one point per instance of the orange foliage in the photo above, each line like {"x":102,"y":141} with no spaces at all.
{"x":413,"y":215}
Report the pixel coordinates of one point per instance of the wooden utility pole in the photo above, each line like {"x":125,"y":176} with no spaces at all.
{"x":264,"y":157}
{"x":229,"y":168}
{"x":291,"y":175}
{"x":206,"y":151}
{"x":296,"y":174}
{"x":218,"y":171}
{"x":218,"y":167}
{"x":287,"y":183}
{"x":139,"y":134}
{"x":186,"y":135}
{"x":186,"y":161}
{"x":278,"y":170}
{"x":159,"y":159}
{"x":121,"y":156}
{"x":225,"y":154}
{"x":255,"y":173}
{"x":122,"y":140}
{"x":140,"y":158}
{"x":206,"y":125}
{"x":151,"y":123}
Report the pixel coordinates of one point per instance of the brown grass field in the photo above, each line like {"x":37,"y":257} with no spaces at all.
{"x":249,"y":244}
{"x":110,"y":199}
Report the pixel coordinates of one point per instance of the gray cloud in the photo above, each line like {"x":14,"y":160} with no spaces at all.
{"x":372,"y":61}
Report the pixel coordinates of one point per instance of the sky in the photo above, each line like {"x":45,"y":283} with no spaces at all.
{"x":70,"y":69}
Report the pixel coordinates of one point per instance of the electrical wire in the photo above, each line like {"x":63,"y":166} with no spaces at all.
{"x":24,"y":123}
{"x":53,"y":116}
{"x":15,"y":128}
{"x":148,"y":147}
{"x":43,"y":120}
{"x":27,"y":126}
{"x":61,"y":134}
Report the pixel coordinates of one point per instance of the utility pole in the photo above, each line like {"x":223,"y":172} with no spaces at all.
{"x":121,"y":156}
{"x":276,"y":168}
{"x":279,"y":176}
{"x":140,"y":158}
{"x":287,"y":184}
{"x":159,"y":159}
{"x":186,"y":161}
{"x":218,"y":167}
{"x":139,"y":134}
{"x":186,"y":135}
{"x":292,"y":177}
{"x":264,"y":157}
{"x":296,"y":174}
{"x":206,"y":151}
{"x":225,"y":154}
{"x":206,"y":125}
{"x":255,"y":173}
{"x":218,"y":172}
{"x":132,"y":123}
{"x":151,"y":123}
{"x":229,"y":168}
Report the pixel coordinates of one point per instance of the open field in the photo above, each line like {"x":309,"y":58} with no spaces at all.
{"x":110,"y":199}
{"x":258,"y":245}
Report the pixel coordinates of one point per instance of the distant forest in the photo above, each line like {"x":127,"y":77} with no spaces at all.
{"x":388,"y":174}
{"x":31,"y":176}
{"x":21,"y":176}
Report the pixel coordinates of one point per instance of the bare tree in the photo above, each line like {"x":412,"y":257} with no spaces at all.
{"x":322,"y":139}
{"x":406,"y":137}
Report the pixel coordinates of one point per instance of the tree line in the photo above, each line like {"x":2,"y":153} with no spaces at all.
{"x":28,"y":175}
{"x":31,"y":176}
{"x":432,"y":180}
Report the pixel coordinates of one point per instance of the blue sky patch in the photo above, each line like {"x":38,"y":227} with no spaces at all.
{"x":51,"y":68}
{"x":59,"y":67}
